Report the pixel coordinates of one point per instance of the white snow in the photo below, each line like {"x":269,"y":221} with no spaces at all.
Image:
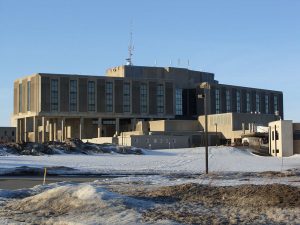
{"x":189,"y":160}
{"x":94,"y":203}
{"x":87,"y":203}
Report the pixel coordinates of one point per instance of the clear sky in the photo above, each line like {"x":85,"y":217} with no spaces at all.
{"x":249,"y":43}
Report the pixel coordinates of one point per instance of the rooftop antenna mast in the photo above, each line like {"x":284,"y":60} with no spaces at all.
{"x":130,"y":49}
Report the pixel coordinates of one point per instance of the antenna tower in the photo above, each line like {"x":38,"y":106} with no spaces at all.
{"x":130,"y":49}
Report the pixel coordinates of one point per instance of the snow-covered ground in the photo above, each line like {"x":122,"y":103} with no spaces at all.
{"x":131,"y":199}
{"x":189,"y":160}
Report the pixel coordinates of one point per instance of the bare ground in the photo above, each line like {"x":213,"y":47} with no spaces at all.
{"x":204,"y":204}
{"x":190,"y":203}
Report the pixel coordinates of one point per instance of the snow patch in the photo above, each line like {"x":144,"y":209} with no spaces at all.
{"x":68,"y":204}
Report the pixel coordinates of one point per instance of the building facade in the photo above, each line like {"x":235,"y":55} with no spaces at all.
{"x":284,"y":138}
{"x":7,"y":134}
{"x":58,"y":106}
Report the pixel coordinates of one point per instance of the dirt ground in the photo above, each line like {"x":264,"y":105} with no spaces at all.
{"x":205,"y":204}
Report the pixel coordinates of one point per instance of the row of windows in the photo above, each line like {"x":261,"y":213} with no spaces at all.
{"x":54,"y":95}
{"x":178,"y":101}
{"x":160,"y":98}
{"x":73,"y":92}
{"x":126,"y":97}
{"x":248,"y":105}
{"x":143,"y":98}
{"x":91,"y":96}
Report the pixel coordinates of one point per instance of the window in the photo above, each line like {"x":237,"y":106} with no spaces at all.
{"x":12,"y":133}
{"x":238,"y":101}
{"x":28,"y":95}
{"x":91,"y":96}
{"x":109,"y":96}
{"x":275,"y":103}
{"x":143,"y":98}
{"x":228,"y":101}
{"x":247,"y":102}
{"x":296,"y":135}
{"x":73,"y":95}
{"x":217,"y":92}
{"x":267,"y":104}
{"x":20,"y":97}
{"x":54,"y":95}
{"x":126,"y":97}
{"x":257,"y":100}
{"x":178,"y":99}
{"x":160,"y":98}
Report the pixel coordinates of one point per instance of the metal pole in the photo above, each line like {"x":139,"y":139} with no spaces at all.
{"x":206,"y":132}
{"x":216,"y":134}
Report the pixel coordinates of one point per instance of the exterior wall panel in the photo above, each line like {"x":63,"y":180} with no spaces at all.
{"x":169,"y":98}
{"x":136,"y":97}
{"x":243,"y":101}
{"x":152,"y":98}
{"x":64,"y":94}
{"x":45,"y":95}
{"x":253,"y":101}
{"x":223,"y":100}
{"x":280,"y":106}
{"x":16,"y":99}
{"x":82,"y":94}
{"x":33,"y":94}
{"x":118,"y":89}
{"x":100,"y":95}
{"x":24,"y":96}
{"x":233,"y":100}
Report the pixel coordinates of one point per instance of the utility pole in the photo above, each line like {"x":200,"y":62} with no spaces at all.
{"x":204,"y":96}
{"x":206,"y":131}
{"x":217,"y":139}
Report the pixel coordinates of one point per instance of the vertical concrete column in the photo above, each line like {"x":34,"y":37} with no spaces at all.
{"x":117,"y":126}
{"x":51,"y":130}
{"x":20,"y":130}
{"x":35,"y":129}
{"x":25,"y":130}
{"x":81,"y":128}
{"x":54,"y":129}
{"x":17,"y":132}
{"x":63,"y":124}
{"x":99,"y":127}
{"x":133,"y":123}
{"x":43,"y":129}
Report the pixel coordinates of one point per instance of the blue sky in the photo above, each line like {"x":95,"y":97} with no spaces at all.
{"x":248,"y":43}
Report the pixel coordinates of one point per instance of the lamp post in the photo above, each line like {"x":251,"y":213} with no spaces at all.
{"x":216,"y":134}
{"x":205,"y":86}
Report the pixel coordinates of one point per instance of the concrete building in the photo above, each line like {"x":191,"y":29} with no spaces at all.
{"x":161,"y":134}
{"x":7,"y":134}
{"x":232,"y":126}
{"x":60,"y":106}
{"x":284,"y":138}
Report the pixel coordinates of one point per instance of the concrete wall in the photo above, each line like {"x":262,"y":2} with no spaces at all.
{"x":182,"y":77}
{"x":7,"y":134}
{"x":174,"y":125}
{"x":282,"y":146}
{"x":233,"y":125}
{"x":157,"y":141}
{"x":296,"y":138}
{"x":34,"y":95}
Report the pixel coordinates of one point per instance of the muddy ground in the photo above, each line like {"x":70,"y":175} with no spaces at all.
{"x":205,"y":204}
{"x":150,"y":203}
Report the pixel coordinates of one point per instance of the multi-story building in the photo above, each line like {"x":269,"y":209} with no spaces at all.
{"x":60,"y":106}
